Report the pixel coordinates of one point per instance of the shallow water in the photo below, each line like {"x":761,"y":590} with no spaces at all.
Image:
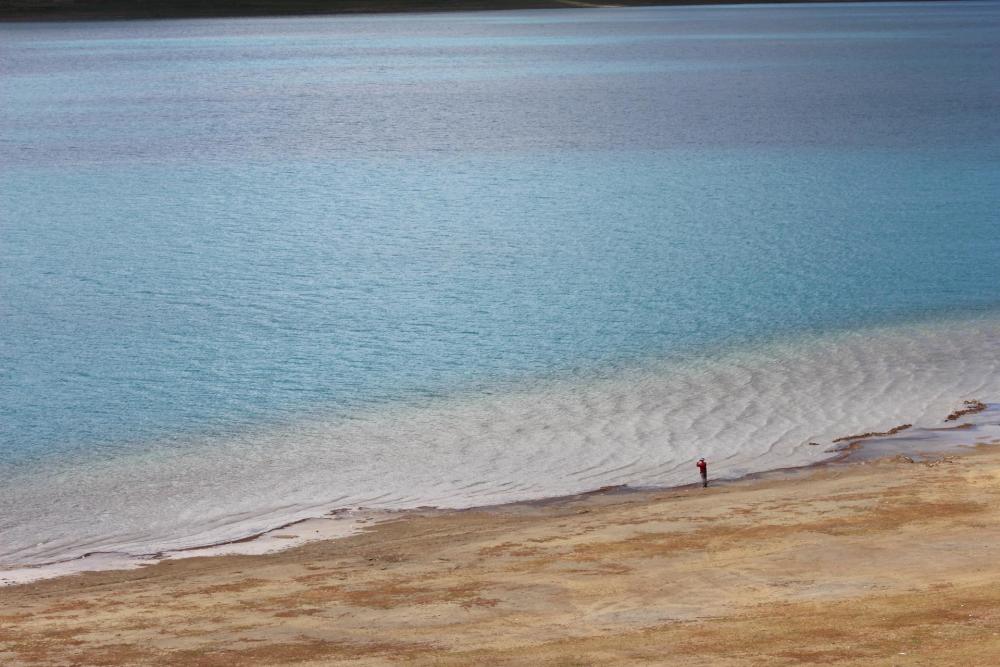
{"x":256,"y":269}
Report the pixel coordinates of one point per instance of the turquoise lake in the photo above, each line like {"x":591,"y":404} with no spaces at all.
{"x":252,"y":269}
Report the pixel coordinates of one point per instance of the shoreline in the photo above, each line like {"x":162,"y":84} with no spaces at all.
{"x":836,"y":564}
{"x":656,"y":418}
{"x":340,"y":523}
{"x":122,"y":10}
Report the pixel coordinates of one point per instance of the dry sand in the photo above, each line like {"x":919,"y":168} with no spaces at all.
{"x":878,"y":563}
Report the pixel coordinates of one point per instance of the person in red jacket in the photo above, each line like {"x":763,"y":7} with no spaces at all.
{"x":703,"y":467}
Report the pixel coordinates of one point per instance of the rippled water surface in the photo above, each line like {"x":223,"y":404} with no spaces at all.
{"x":253,"y":269}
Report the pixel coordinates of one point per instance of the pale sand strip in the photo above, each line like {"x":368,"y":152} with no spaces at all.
{"x":335,"y":525}
{"x":855,"y":564}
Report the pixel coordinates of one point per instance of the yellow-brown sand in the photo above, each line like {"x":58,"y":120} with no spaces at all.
{"x":887,"y":563}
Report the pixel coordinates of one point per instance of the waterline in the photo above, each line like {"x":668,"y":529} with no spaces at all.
{"x":748,"y":410}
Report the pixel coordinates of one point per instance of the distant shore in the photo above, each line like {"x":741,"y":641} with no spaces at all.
{"x":91,"y":10}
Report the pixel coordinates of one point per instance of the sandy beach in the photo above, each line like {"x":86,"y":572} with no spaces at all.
{"x":886,"y":562}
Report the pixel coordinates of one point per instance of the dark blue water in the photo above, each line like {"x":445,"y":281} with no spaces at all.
{"x":212,"y":227}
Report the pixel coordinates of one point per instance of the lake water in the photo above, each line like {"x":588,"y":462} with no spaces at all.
{"x":253,"y":270}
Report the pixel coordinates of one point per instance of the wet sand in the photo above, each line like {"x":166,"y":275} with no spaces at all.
{"x":879,"y":562}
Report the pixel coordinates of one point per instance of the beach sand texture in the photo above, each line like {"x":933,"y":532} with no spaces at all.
{"x":884,"y":563}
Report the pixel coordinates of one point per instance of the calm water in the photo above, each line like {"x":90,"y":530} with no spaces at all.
{"x":254,"y":268}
